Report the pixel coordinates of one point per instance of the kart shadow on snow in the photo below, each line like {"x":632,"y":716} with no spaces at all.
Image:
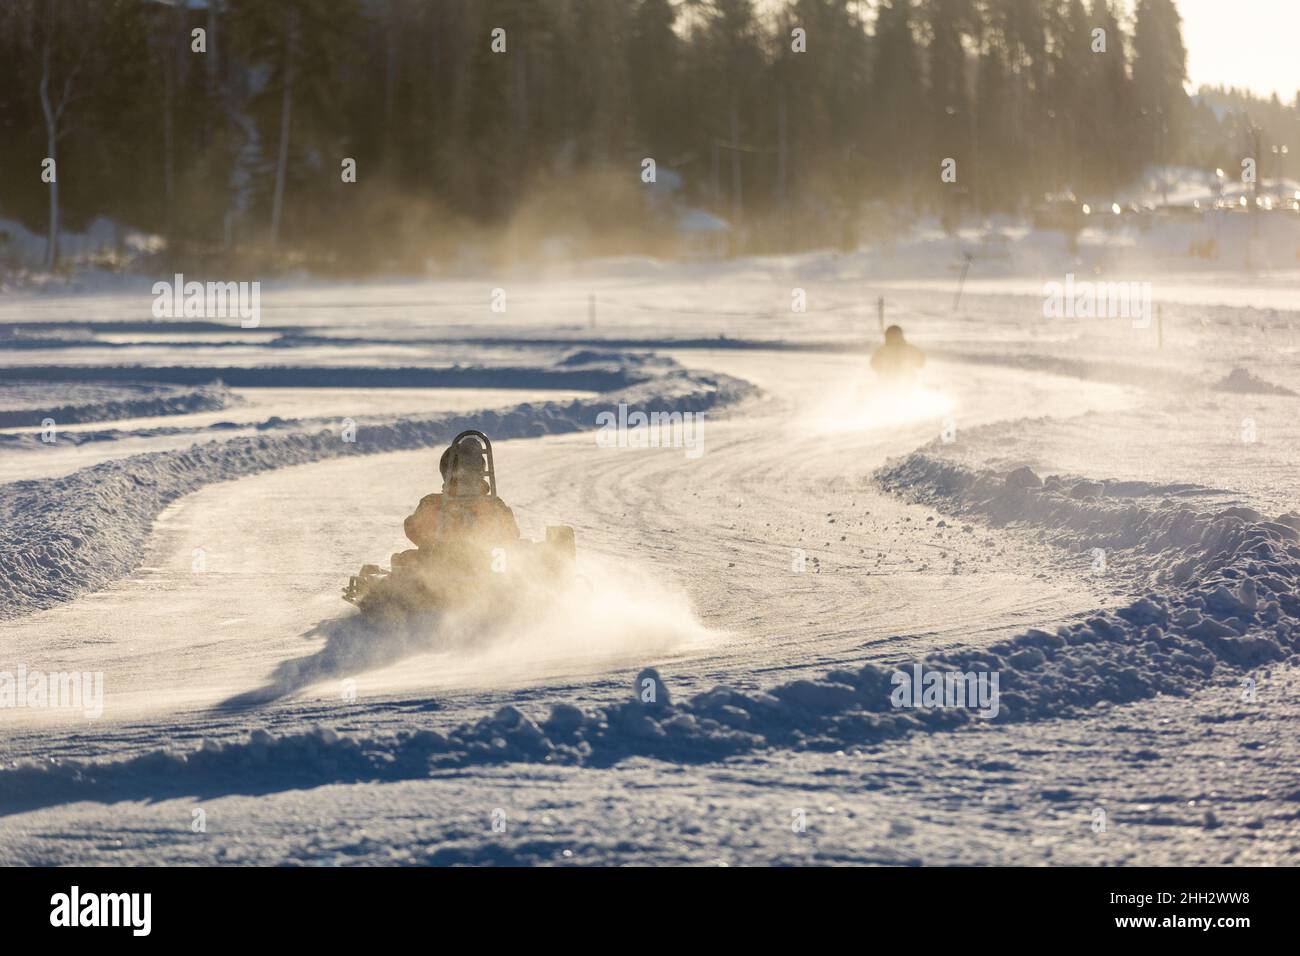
{"x":353,"y":644}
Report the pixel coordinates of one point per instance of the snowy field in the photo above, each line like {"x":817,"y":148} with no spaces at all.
{"x":187,"y":531}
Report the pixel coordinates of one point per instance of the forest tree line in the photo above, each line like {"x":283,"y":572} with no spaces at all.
{"x":784,"y":117}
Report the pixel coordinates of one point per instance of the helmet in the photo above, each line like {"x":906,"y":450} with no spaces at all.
{"x":894,"y":335}
{"x":468,"y":457}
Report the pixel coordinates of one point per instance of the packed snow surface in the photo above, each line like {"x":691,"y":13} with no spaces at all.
{"x":1040,"y":506}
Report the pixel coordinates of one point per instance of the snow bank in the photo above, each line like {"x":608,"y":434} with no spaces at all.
{"x":104,"y":241}
{"x":1244,"y":382}
{"x":1157,"y":645}
{"x":28,"y":405}
{"x":68,"y":535}
{"x":590,"y":378}
{"x":1143,"y":527}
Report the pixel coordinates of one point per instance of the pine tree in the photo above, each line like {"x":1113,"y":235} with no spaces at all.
{"x":653,"y":61}
{"x":896,"y":98}
{"x":948,"y":100}
{"x":1159,"y":71}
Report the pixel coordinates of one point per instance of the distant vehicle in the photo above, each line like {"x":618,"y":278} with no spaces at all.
{"x":898,"y":362}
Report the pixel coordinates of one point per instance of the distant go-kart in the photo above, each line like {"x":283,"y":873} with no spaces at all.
{"x":462,"y":573}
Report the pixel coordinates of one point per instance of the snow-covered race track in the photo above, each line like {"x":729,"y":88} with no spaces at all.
{"x":690,"y":562}
{"x":781,"y":562}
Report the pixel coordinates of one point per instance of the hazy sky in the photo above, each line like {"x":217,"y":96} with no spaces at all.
{"x":1245,"y":43}
{"x":1254,"y":44}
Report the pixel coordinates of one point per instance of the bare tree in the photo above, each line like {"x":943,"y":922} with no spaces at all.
{"x":54,"y":131}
